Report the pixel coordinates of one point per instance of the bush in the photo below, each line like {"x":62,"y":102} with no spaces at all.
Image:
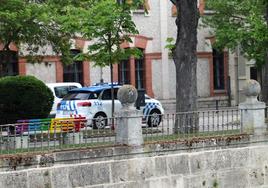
{"x":23,"y":97}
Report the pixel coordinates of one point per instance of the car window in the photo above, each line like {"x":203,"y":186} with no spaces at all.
{"x":61,"y":91}
{"x":81,"y":96}
{"x":107,"y":94}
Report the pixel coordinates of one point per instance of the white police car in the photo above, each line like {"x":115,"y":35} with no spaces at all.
{"x":95,"y":103}
{"x":59,"y":90}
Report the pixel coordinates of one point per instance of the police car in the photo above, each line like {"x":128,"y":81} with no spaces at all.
{"x":95,"y":103}
{"x":59,"y":90}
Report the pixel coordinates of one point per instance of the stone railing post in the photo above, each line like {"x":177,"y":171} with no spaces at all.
{"x":129,"y":130}
{"x":252,"y":110}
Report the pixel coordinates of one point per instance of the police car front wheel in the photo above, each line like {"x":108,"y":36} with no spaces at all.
{"x":100,"y":121}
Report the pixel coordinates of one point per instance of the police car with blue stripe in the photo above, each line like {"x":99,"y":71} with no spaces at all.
{"x":95,"y":103}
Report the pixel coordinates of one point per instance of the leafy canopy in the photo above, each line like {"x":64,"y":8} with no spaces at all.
{"x":240,"y":23}
{"x":37,"y":24}
{"x":43,"y":23}
{"x":108,"y":23}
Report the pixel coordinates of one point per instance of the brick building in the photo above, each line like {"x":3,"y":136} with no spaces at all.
{"x":155,"y":71}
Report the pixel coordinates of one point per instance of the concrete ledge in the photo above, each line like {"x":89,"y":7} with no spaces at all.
{"x":231,"y":167}
{"x":40,"y":160}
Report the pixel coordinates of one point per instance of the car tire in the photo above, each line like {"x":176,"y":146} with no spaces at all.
{"x":154,"y":118}
{"x":100,"y":121}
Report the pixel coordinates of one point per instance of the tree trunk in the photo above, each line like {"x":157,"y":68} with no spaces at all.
{"x":185,"y":59}
{"x":264,"y":83}
{"x":264,"y":75}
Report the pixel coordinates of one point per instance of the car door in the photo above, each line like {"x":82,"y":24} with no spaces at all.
{"x":107,"y":102}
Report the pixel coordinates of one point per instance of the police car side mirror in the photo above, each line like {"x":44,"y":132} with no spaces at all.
{"x":141,"y":99}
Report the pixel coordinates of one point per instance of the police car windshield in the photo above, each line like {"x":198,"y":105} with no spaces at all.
{"x":81,"y":95}
{"x":61,"y":91}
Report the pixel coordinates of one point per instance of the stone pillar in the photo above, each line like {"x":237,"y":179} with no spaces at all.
{"x":252,"y":110}
{"x":129,"y":130}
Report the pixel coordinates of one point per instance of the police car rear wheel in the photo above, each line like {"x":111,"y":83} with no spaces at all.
{"x":100,"y":121}
{"x":154,"y":118}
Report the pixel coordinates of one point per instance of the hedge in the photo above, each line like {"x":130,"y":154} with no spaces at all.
{"x":23,"y":97}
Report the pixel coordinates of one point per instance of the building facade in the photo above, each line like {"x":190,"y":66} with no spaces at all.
{"x":220,"y":75}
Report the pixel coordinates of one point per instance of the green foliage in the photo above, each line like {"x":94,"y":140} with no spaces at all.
{"x":35,"y":23}
{"x":43,"y":23}
{"x":23,"y":97}
{"x":170,"y":44}
{"x":108,"y":24}
{"x":240,"y":23}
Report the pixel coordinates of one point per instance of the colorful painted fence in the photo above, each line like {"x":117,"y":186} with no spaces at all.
{"x":48,"y":125}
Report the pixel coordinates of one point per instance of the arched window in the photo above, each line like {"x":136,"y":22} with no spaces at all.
{"x":74,"y":71}
{"x":132,"y":71}
{"x":124,"y":72}
{"x":139,"y":71}
{"x":218,"y":70}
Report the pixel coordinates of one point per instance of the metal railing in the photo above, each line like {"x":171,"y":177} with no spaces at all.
{"x":74,"y":133}
{"x":198,"y":124}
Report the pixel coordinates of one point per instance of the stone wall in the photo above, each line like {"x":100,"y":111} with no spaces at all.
{"x":233,"y":167}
